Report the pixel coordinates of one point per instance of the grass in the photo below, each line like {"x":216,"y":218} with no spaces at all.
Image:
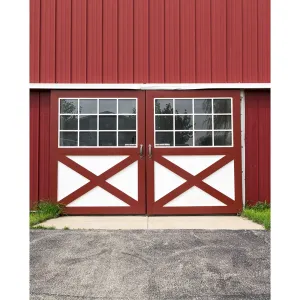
{"x":44,"y":211}
{"x":259,"y":213}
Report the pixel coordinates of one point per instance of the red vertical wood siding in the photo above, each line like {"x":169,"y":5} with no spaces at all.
{"x":110,"y":41}
{"x":35,"y":17}
{"x":218,"y":41}
{"x":78,"y":63}
{"x":44,"y":145}
{"x":94,"y":41}
{"x":157,"y":41}
{"x":63,"y":41}
{"x":47,"y":50}
{"x":234,"y":41}
{"x":257,"y":146}
{"x":203,"y":41}
{"x":143,"y":41}
{"x":34,"y":147}
{"x":264,"y":21}
{"x":39,"y":146}
{"x":125,"y":45}
{"x":187,"y":41}
{"x":250,"y":42}
{"x":140,"y":41}
{"x":172,"y":43}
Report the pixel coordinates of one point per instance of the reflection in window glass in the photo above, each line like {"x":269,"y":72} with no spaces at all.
{"x":127,"y":138}
{"x":184,"y":138}
{"x":68,"y":138}
{"x":222,"y":106}
{"x":88,"y":106}
{"x":184,"y":122}
{"x":202,"y":106}
{"x":87,"y":138}
{"x":222,"y":138}
{"x":107,"y":106}
{"x":222,"y":122}
{"x":88,"y":122}
{"x":183,"y":106}
{"x":203,"y":138}
{"x":164,"y":122}
{"x":108,"y":138}
{"x":203,"y":122}
{"x":127,"y":122}
{"x":164,"y":139}
{"x":164,"y":106}
{"x":127,"y":106}
{"x":68,"y":122}
{"x":68,"y":106}
{"x":107,"y":122}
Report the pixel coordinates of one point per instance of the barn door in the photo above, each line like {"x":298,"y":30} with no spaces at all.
{"x":97,"y":162}
{"x":193,"y":152}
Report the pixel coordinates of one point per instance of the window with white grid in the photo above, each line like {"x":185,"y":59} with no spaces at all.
{"x":197,"y":122}
{"x":98,"y":122}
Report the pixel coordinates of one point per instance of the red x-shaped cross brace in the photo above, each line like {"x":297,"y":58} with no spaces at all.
{"x":99,"y":180}
{"x":192,"y":180}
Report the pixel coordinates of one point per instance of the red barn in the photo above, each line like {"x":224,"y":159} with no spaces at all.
{"x":150,"y":106}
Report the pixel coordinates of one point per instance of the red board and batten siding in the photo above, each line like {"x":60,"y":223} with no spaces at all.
{"x":143,"y":41}
{"x":39,"y":146}
{"x":257,"y":146}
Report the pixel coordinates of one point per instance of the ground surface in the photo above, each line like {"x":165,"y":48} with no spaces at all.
{"x":149,"y":264}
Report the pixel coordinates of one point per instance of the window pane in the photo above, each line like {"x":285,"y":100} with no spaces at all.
{"x":184,"y":138}
{"x":88,"y":106}
{"x":107,"y":139}
{"x":164,"y":106}
{"x":68,"y":122}
{"x":222,"y":122}
{"x":164,"y":122}
{"x":203,"y":138}
{"x":164,"y":139}
{"x":88,"y":122}
{"x":202,"y":106}
{"x":203,"y":122}
{"x":127,"y":106}
{"x":127,"y":138}
{"x":222,"y":106}
{"x":107,"y":122}
{"x":183,"y":106}
{"x":107,"y":106}
{"x":87,"y":138}
{"x":222,"y":138}
{"x":127,"y":122}
{"x":68,"y":139}
{"x":68,"y":106}
{"x":184,"y":122}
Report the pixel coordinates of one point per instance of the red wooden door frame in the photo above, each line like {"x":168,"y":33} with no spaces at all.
{"x":231,"y":153}
{"x":59,"y":155}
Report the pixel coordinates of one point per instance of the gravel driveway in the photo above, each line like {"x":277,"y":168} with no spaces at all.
{"x":149,"y":264}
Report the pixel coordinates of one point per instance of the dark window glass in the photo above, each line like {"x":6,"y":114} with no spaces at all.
{"x":202,"y":106}
{"x":164,"y":122}
{"x":184,"y":138}
{"x":87,"y":138}
{"x":88,"y":122}
{"x":127,"y":106}
{"x":183,"y":106}
{"x":164,"y":139}
{"x":68,"y":139}
{"x":222,"y":138}
{"x":107,"y":139}
{"x":127,"y":138}
{"x":203,"y":138}
{"x":69,"y":122}
{"x":222,"y":106}
{"x":184,"y":122}
{"x":88,"y":106}
{"x":68,"y":106}
{"x":164,"y":106}
{"x":222,"y":122}
{"x":127,"y":122}
{"x":107,"y":122}
{"x":203,"y":122}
